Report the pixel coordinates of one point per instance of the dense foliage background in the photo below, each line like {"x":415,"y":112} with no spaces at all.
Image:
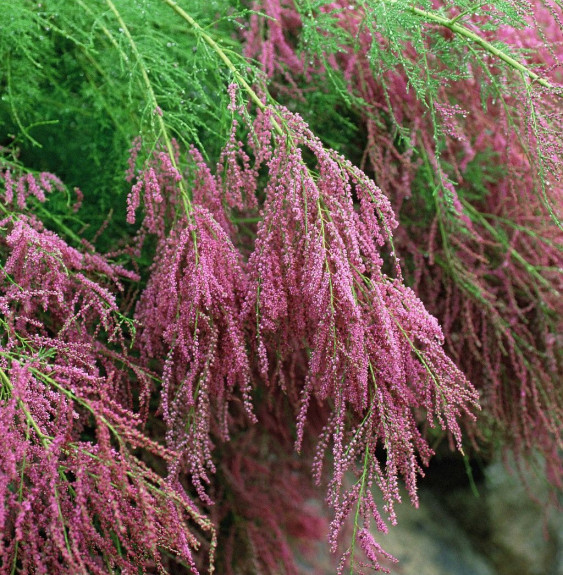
{"x":257,"y":253}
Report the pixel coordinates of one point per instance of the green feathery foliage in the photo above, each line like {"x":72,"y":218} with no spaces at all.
{"x":81,"y":80}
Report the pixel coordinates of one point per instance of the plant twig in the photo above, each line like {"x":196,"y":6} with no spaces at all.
{"x":221,"y":53}
{"x":456,"y":28}
{"x":153,"y":100}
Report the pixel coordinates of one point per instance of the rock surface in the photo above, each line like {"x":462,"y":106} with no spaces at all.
{"x":506,"y":530}
{"x":430,"y":541}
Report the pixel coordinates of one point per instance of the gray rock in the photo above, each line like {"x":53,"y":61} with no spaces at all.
{"x":526,"y":537}
{"x":430,"y":541}
{"x":506,"y":530}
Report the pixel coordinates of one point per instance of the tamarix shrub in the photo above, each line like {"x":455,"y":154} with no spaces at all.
{"x":76,"y":494}
{"x":194,"y":356}
{"x":459,"y":108}
{"x":312,"y":291}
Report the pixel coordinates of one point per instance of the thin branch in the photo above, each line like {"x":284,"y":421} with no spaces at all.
{"x":222,"y":54}
{"x":456,"y":28}
{"x":154,"y":102}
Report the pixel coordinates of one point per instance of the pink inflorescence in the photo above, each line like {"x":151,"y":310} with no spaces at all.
{"x":75,"y":496}
{"x":311,"y":298}
{"x":190,"y":316}
{"x":486,"y":261}
{"x":26,"y":185}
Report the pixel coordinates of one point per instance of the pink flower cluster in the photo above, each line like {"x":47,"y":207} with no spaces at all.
{"x":311,"y":298}
{"x":76,"y":492}
{"x":486,"y":262}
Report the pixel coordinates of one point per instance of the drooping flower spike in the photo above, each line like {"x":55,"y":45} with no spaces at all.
{"x":76,"y":495}
{"x":472,"y":169}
